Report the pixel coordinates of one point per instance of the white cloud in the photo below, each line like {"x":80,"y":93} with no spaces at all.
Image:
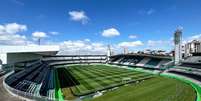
{"x":195,"y":37}
{"x":147,"y":12}
{"x":78,"y":16}
{"x":39,"y":34}
{"x":111,"y":32}
{"x":158,"y":42}
{"x":54,"y":33}
{"x":12,"y":28}
{"x":13,"y":39}
{"x":82,"y":47}
{"x":191,"y":38}
{"x":9,"y":34}
{"x":132,"y":36}
{"x":130,"y":44}
{"x":88,"y":40}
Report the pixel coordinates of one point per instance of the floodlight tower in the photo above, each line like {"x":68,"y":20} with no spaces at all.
{"x":108,"y":52}
{"x":39,"y":40}
{"x":125,"y":50}
{"x":177,"y":42}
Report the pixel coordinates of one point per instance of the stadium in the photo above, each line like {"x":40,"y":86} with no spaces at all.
{"x":100,"y":50}
{"x":103,"y":77}
{"x":85,"y":76}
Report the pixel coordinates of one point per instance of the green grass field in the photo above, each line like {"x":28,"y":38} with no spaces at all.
{"x":155,"y":89}
{"x":77,"y":80}
{"x":85,"y":79}
{"x":97,"y":77}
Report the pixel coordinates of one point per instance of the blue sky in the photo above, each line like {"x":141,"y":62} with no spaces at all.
{"x":149,"y":23}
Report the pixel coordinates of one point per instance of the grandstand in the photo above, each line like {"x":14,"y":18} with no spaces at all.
{"x":191,"y":62}
{"x":140,"y":60}
{"x":189,"y":67}
{"x":190,"y":75}
{"x":193,"y":59}
{"x":69,"y":77}
{"x":35,"y":79}
{"x":74,"y":59}
{"x":40,"y":79}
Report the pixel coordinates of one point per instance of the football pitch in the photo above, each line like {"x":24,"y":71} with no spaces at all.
{"x":86,"y":79}
{"x":155,"y":89}
{"x":80,"y":80}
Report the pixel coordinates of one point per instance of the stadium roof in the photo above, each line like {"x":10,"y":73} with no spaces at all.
{"x":12,"y":54}
{"x":28,"y":49}
{"x":146,"y":55}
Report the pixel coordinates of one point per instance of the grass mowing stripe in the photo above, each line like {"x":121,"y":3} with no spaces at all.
{"x":98,"y":80}
{"x":84,"y":85}
{"x":81,"y":87}
{"x":120,"y":75}
{"x":94,"y":76}
{"x":107,"y":73}
{"x":119,"y":78}
{"x":68,"y":78}
{"x":114,"y":76}
{"x":86,"y":75}
{"x":101,"y":83}
{"x":114,"y":69}
{"x":75,"y":74}
{"x":103,"y":72}
{"x":104,"y":77}
{"x":87,"y":85}
{"x":109,"y":68}
{"x":98,"y":77}
{"x":106,"y":68}
{"x":80,"y":76}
